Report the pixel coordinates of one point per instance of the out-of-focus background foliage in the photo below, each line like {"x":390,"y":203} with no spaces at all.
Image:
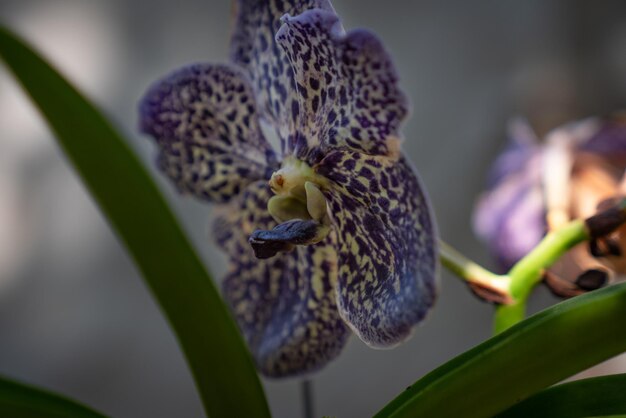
{"x":74,"y":315}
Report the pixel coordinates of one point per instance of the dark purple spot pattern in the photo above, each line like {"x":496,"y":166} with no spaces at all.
{"x":286,"y":305}
{"x":386,"y":246}
{"x":209,"y":144}
{"x":253,"y":47}
{"x":347,"y":87}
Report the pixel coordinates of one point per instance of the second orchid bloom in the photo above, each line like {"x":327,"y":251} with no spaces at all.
{"x":536,"y":186}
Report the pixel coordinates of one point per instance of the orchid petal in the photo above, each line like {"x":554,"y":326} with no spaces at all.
{"x":348,"y":94}
{"x":254,"y":48}
{"x":286,"y":305}
{"x":510,"y":215}
{"x":386,"y":244}
{"x":609,"y":141}
{"x":205,"y":124}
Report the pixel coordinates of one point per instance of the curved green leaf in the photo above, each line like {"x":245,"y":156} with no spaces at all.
{"x":538,"y":352}
{"x":18,"y":400}
{"x":603,"y":396}
{"x":223,"y":370}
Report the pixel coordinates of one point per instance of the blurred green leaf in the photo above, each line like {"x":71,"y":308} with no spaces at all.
{"x":536,"y":353}
{"x":22,"y":401}
{"x":596,"y":397}
{"x":223,"y":370}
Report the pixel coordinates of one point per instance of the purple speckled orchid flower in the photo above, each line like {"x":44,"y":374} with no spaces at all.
{"x":535,"y":186}
{"x":335,"y":236}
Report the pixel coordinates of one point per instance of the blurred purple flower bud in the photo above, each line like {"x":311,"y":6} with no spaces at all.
{"x":537,"y":186}
{"x":510,"y":215}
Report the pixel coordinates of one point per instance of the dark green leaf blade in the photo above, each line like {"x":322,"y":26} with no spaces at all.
{"x":538,"y":352}
{"x":595,"y":397}
{"x":223,"y":370}
{"x":18,"y":400}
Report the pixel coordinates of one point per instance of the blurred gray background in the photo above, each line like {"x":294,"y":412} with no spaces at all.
{"x":74,"y":314}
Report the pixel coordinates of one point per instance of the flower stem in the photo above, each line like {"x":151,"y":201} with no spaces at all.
{"x":306,"y":388}
{"x":528,"y":272}
{"x":512,"y":290}
{"x":485,"y":284}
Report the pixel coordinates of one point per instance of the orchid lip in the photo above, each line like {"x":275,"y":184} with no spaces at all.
{"x":298,"y":194}
{"x":299,"y":207}
{"x":284,"y":237}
